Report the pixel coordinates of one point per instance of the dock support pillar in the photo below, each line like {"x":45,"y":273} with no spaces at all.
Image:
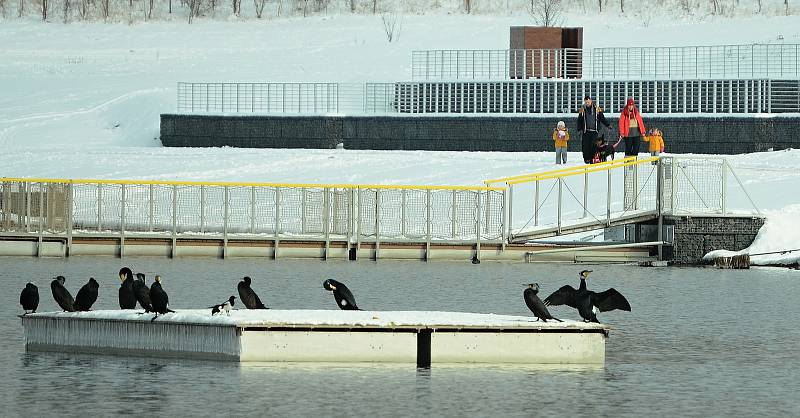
{"x":424,"y":348}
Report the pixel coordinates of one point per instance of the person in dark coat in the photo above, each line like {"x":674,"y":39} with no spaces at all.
{"x":590,"y":117}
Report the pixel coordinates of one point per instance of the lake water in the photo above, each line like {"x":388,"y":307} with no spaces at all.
{"x":699,"y":342}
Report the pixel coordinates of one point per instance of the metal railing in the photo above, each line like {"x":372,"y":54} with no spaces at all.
{"x":504,"y":97}
{"x":280,"y":98}
{"x":564,"y":96}
{"x":580,"y":198}
{"x":699,"y":186}
{"x":687,"y":62}
{"x":588,"y":197}
{"x":321,"y":212}
{"x":496,"y":64}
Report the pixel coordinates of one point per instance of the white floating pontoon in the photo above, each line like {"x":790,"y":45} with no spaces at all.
{"x":321,"y":336}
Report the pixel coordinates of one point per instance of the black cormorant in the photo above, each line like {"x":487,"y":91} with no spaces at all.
{"x":61,"y":294}
{"x":159,"y":298}
{"x":224,"y":306}
{"x":344,"y":298}
{"x":535,"y":304}
{"x":127,"y":299}
{"x":87,"y":295}
{"x":142,"y":293}
{"x":587,"y":302}
{"x":248,"y":296}
{"x":29,"y":298}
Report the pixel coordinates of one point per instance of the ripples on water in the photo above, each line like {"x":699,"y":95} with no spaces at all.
{"x":699,"y":342}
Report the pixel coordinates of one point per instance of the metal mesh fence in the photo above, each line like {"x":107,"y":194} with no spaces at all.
{"x":752,"y":95}
{"x":369,"y":213}
{"x":719,"y":61}
{"x":694,"y":185}
{"x":563,"y":96}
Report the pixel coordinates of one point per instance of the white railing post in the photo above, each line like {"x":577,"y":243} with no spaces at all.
{"x":585,"y":191}
{"x":724,"y":192}
{"x":202,"y":208}
{"x":478,"y":225}
{"x":427,"y":224}
{"x":453,"y":216}
{"x":510,"y":209}
{"x":560,"y":187}
{"x":536,"y":205}
{"x":608,"y":198}
{"x":150,"y":205}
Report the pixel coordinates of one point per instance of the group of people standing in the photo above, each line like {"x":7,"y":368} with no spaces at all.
{"x":592,"y":125}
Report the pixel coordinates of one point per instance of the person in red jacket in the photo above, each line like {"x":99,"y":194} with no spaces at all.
{"x":631,"y":128}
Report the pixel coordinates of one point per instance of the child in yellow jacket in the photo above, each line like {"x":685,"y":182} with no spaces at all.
{"x":656,"y":140}
{"x":560,"y":138}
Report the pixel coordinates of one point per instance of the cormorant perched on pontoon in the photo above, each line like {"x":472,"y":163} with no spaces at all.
{"x":248,"y":296}
{"x":61,"y":294}
{"x":535,"y":304}
{"x":344,"y":298}
{"x":87,"y":295}
{"x":142,"y":293}
{"x":29,"y":298}
{"x":127,"y":299}
{"x":588,"y":303}
{"x":224,"y":306}
{"x":159,"y":298}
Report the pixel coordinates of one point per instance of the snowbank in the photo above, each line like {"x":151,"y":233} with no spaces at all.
{"x":778,"y":237}
{"x":274,"y":317}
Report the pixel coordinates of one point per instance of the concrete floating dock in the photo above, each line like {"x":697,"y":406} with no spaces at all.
{"x":423,"y":338}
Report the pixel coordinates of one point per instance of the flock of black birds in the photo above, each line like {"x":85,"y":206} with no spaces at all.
{"x":154,"y":299}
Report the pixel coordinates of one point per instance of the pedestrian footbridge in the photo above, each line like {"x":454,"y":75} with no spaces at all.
{"x":500,"y":219}
{"x":583,"y":198}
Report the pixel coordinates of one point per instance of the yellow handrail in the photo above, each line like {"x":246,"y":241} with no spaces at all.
{"x":579,"y":169}
{"x":248,"y":184}
{"x":584,"y":170}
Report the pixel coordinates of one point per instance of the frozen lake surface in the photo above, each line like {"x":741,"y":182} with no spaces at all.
{"x":699,"y":342}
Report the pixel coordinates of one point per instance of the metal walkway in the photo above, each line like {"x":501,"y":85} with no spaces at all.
{"x":584,"y":198}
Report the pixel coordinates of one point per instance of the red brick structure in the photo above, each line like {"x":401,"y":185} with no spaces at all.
{"x":550,"y":62}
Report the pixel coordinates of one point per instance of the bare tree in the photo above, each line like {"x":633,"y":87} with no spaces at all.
{"x":546,"y":12}
{"x":392,"y":25}
{"x":468,"y":6}
{"x":600,"y":5}
{"x":622,"y":6}
{"x":786,"y":5}
{"x":194,"y":9}
{"x":105,"y":8}
{"x":84,"y":10}
{"x":21,"y":8}
{"x":237,"y":7}
{"x":151,"y":5}
{"x":44,"y":9}
{"x":714,"y":7}
{"x":352,"y":6}
{"x":259,"y":6}
{"x":374,"y":6}
{"x":759,"y":6}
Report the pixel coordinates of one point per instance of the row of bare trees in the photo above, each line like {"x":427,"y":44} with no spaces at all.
{"x":543,"y":12}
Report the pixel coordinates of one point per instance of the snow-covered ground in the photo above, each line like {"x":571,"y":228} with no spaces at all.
{"x":277,"y":317}
{"x":82,"y":100}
